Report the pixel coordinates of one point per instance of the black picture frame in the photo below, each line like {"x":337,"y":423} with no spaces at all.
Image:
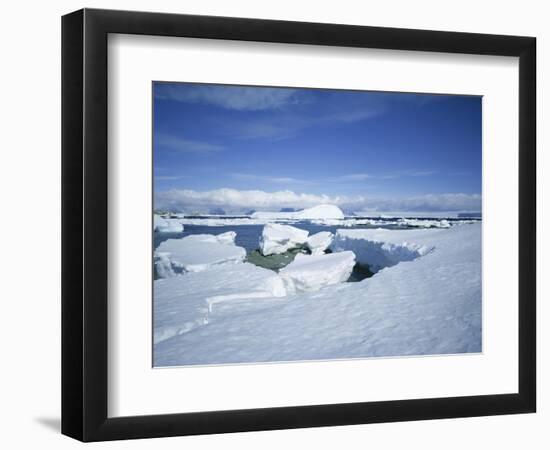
{"x":84,"y":224}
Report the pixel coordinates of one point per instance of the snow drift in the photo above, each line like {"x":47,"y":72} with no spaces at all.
{"x":185,"y":301}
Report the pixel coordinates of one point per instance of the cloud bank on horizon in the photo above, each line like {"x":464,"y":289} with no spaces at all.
{"x":238,"y":202}
{"x":241,"y":148}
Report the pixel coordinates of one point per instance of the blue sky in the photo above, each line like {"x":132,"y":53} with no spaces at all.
{"x":240,"y":148}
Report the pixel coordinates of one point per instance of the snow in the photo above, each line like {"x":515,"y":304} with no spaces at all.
{"x":312,"y":272}
{"x":277,"y":238}
{"x":424,"y":306}
{"x":162,"y":225}
{"x":201,"y":251}
{"x":184,"y":302}
{"x":319,"y":242}
{"x":317,"y":212}
{"x":379,"y":248}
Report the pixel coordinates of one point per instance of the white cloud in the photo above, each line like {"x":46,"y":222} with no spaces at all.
{"x":428,"y":202}
{"x":357,"y":177}
{"x":407,"y":173}
{"x":269,"y":179}
{"x":237,"y":201}
{"x":353,"y":177}
{"x":227,"y":97}
{"x":179,"y":144}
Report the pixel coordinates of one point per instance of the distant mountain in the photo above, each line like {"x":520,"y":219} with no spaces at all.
{"x":217,"y":212}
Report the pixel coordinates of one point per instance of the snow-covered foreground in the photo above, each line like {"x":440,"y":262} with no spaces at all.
{"x":185,"y":302}
{"x":240,"y":313}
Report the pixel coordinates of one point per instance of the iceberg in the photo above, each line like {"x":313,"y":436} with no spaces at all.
{"x":317,"y":212}
{"x":184,"y":302}
{"x":277,"y":238}
{"x":312,"y":272}
{"x":319,"y":242}
{"x":162,"y":225}
{"x":199,"y":252}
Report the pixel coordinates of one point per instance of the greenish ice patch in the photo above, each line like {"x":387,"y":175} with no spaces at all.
{"x":273,"y":262}
{"x":277,"y":262}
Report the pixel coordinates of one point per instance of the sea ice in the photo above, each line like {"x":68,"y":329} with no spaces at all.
{"x":277,"y":238}
{"x":200,"y":251}
{"x":424,"y":223}
{"x":312,"y":272}
{"x":319,"y":242}
{"x":162,"y":225}
{"x":426,"y":306}
{"x":379,"y":248}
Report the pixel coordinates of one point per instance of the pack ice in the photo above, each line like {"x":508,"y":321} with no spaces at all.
{"x":424,"y":300}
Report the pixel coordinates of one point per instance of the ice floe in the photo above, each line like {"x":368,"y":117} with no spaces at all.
{"x":312,"y":272}
{"x":162,"y":225}
{"x":199,"y":252}
{"x":277,"y":238}
{"x":380,"y":248}
{"x":319,"y":242}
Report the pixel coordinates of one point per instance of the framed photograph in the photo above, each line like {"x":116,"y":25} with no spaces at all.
{"x":272,"y":224}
